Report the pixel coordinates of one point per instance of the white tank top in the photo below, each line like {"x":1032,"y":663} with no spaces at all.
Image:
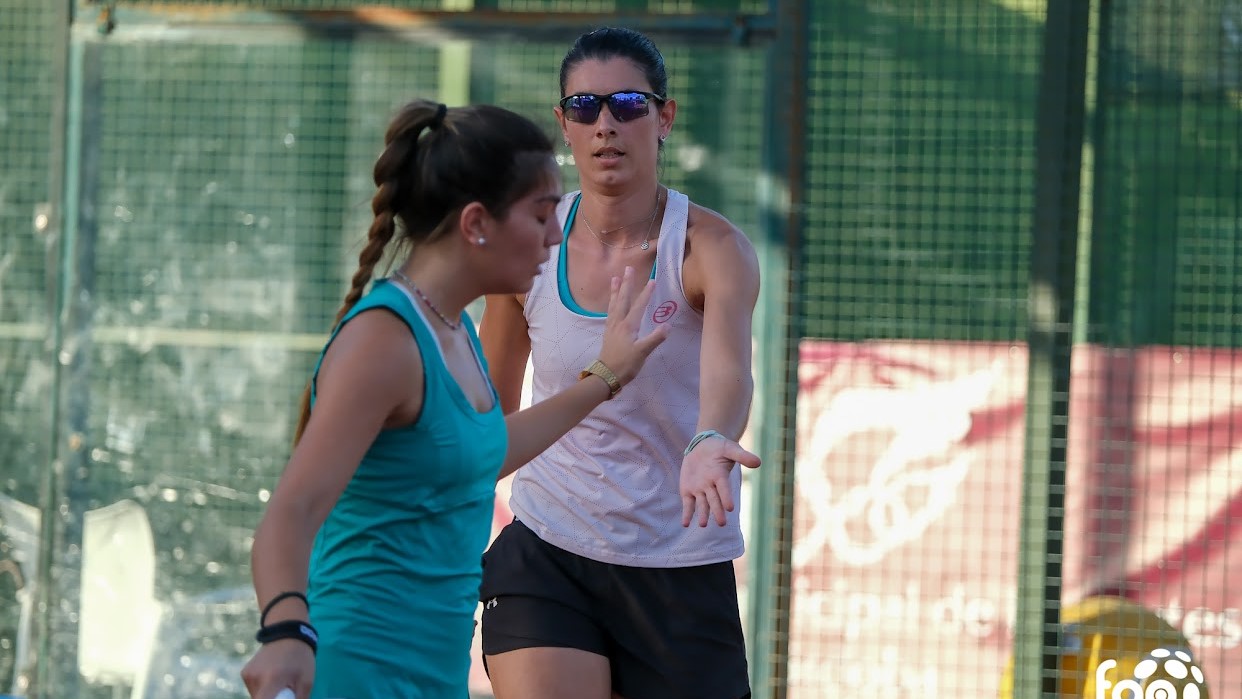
{"x":608,"y":490}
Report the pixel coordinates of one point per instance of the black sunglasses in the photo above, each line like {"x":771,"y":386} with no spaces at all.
{"x":625,"y":106}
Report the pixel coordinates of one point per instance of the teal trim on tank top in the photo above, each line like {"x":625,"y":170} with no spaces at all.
{"x":562,"y":267}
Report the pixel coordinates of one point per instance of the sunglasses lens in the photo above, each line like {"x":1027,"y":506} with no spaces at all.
{"x":628,"y":106}
{"x":582,"y":108}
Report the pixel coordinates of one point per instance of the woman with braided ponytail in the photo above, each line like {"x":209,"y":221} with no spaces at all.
{"x":367,"y":561}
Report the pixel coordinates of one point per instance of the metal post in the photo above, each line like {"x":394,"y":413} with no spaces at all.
{"x":54,"y":225}
{"x":778,"y":331}
{"x":455,"y":61}
{"x":1059,"y":141}
{"x":139,"y":21}
{"x":60,"y":576}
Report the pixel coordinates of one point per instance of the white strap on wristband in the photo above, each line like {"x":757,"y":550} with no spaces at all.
{"x":705,"y":434}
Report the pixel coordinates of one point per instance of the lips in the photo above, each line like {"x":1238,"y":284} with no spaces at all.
{"x":609,"y":152}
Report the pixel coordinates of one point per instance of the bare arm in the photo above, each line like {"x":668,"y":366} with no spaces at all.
{"x":730,"y":279}
{"x":371,"y":369}
{"x":371,"y":376}
{"x":536,"y":428}
{"x":727,"y":272}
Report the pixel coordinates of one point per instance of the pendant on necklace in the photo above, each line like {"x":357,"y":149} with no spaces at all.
{"x":645,"y":245}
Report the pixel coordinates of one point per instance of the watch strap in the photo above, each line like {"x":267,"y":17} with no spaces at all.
{"x":601,"y":370}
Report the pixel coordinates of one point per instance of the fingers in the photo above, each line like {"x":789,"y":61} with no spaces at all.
{"x":638,"y":306}
{"x":717,"y":510}
{"x":714,"y":503}
{"x":734,"y":451}
{"x":621,"y":293}
{"x":648,"y":344}
{"x":629,"y":294}
{"x":273,"y":674}
{"x":725,"y":495}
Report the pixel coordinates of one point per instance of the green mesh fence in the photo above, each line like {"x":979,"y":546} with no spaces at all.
{"x":920,"y":153}
{"x":27,"y":92}
{"x":227,"y":198}
{"x":920,"y":157}
{"x":151,"y":359}
{"x":234,"y":186}
{"x":1158,"y":415}
{"x":913,"y":388}
{"x":1168,"y":149}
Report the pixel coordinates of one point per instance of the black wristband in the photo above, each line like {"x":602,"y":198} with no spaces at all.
{"x":277,"y":598}
{"x":300,"y":630}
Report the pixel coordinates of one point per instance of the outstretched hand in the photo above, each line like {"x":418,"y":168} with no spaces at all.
{"x":705,"y":479}
{"x":623,"y":351}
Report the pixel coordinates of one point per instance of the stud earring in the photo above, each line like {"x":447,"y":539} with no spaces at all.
{"x":480,"y":241}
{"x":661,"y":139}
{"x":567,"y":143}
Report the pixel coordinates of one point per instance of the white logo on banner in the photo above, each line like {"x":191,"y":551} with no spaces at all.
{"x":1164,"y":674}
{"x":898,"y":501}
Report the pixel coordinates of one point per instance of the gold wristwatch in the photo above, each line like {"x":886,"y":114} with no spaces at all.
{"x":601,"y":370}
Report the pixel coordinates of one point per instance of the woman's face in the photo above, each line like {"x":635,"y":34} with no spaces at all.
{"x":609,"y":152}
{"x":519,"y":244}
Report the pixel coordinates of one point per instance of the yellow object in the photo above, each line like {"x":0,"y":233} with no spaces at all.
{"x":1110,"y":645}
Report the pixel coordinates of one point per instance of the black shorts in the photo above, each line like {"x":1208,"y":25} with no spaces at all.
{"x":669,"y":633}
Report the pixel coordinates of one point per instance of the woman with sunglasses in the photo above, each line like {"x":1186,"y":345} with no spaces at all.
{"x":616,"y":577}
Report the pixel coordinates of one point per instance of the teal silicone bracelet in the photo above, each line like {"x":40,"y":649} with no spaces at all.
{"x":705,"y":434}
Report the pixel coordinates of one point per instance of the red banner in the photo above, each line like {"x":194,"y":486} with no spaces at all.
{"x":908,"y":489}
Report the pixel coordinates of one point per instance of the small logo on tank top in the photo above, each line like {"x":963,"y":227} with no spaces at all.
{"x":664,"y":312}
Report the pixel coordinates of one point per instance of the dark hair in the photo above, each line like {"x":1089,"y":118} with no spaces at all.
{"x":436,"y":161}
{"x":618,"y":42}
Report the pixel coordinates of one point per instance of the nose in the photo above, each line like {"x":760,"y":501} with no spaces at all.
{"x":553,"y":234}
{"x":605,"y":123}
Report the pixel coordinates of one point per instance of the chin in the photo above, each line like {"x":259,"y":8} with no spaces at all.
{"x":526,"y":286}
{"x":612,"y":177}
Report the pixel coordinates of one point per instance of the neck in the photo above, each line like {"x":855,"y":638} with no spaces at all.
{"x":441,"y":281}
{"x":623,"y":217}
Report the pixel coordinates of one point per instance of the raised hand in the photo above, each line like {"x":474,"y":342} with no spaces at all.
{"x":704,"y":482}
{"x":623,"y":351}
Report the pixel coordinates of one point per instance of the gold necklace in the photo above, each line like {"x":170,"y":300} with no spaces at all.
{"x":645,"y":244}
{"x":408,"y":282}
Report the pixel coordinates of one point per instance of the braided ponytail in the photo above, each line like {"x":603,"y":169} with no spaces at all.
{"x":400,"y":141}
{"x":435,"y":162}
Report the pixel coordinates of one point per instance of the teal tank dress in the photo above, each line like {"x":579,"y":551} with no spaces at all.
{"x":395,"y":569}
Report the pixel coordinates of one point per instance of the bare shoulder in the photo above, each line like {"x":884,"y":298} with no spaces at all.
{"x":707,"y":226}
{"x":719,"y":258}
{"x":373,"y":349}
